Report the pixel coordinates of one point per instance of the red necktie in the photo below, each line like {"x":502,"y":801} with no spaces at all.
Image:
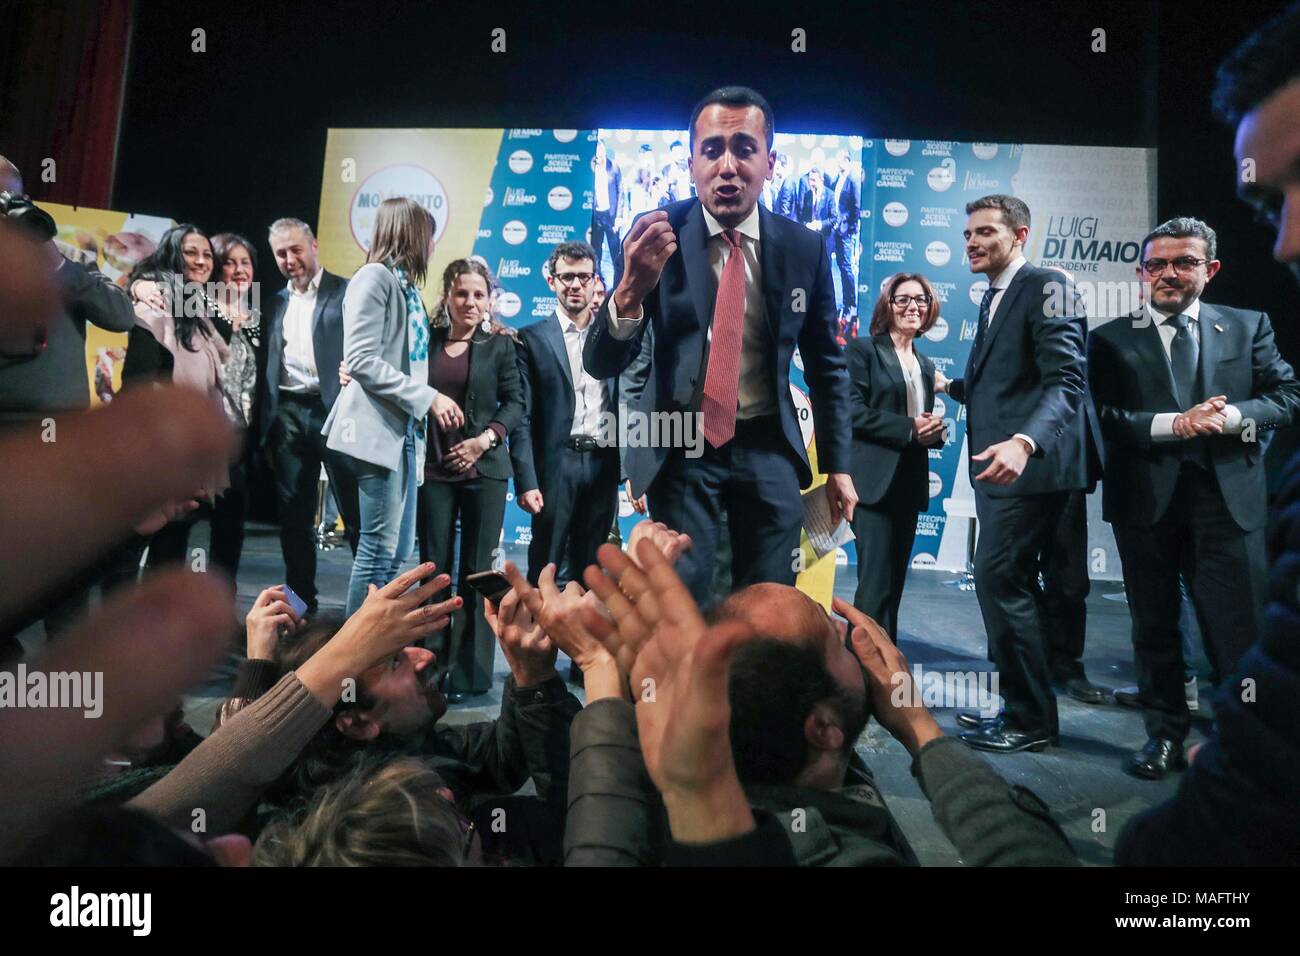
{"x":722,"y":379}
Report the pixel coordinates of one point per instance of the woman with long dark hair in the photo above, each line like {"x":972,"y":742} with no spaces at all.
{"x":893,"y":428}
{"x":467,"y":467}
{"x":379,"y":417}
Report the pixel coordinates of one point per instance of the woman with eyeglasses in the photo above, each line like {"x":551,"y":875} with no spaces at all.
{"x":893,"y":429}
{"x":467,"y":468}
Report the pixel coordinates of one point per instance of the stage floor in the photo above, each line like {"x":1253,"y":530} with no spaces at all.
{"x":1082,"y":780}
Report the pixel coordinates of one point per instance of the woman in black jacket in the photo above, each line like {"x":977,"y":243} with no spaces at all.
{"x":893,"y":428}
{"x":467,"y":470}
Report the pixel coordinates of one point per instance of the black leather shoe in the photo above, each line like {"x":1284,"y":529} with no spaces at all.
{"x":1127,"y":697}
{"x":1083,"y":690}
{"x":974,"y":720}
{"x":1156,"y":759}
{"x":1000,"y":738}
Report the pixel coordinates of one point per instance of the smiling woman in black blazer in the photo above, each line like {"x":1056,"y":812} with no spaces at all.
{"x":466,"y":470}
{"x":893,"y":394}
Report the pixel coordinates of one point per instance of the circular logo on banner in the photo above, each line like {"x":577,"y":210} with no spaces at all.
{"x":520,"y":161}
{"x":803,"y":411}
{"x":508,"y":304}
{"x":894,"y":213}
{"x":939,"y":331}
{"x":897,"y":147}
{"x":841,"y":558}
{"x":937,"y":253}
{"x":984,"y":150}
{"x":977,"y":290}
{"x":559,"y":198}
{"x":487,"y":199}
{"x":565,"y":135}
{"x":625,"y":509}
{"x":924,"y":560}
{"x":942,"y":176}
{"x":936,"y":485}
{"x":514,"y":232}
{"x":939,"y":407}
{"x":411,"y":182}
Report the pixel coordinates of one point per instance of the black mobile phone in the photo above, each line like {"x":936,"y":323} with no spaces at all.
{"x":491,"y":584}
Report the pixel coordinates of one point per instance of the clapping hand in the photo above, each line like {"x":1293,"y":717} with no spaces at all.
{"x":1206,"y":418}
{"x":528,"y":650}
{"x":678,"y":668}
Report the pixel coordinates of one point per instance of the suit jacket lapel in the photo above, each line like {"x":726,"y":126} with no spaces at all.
{"x":1210,"y":337}
{"x":889,"y":359}
{"x":927,"y":380}
{"x":1152,"y":349}
{"x":1005,"y":305}
{"x":772,"y":259}
{"x":553,"y":337}
{"x":323,"y":293}
{"x":699,"y":273}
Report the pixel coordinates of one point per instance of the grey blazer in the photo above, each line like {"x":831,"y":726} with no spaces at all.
{"x":370,"y":417}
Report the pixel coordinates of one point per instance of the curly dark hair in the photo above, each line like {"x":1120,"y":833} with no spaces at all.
{"x":1265,"y":62}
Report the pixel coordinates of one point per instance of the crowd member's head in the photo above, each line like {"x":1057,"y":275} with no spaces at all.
{"x":678,"y":153}
{"x":1179,"y":257}
{"x":1258,"y":92}
{"x":997,"y":228}
{"x":397,"y":813}
{"x":571,"y":274}
{"x":184,"y":251}
{"x":466,"y":300}
{"x":815,"y":178}
{"x":394,"y":702}
{"x":237,"y":260}
{"x":731,"y":151}
{"x":294,"y":246}
{"x":781,"y":166}
{"x":907,"y":304}
{"x":798,"y":697}
{"x":403,"y":236}
{"x":597,"y":292}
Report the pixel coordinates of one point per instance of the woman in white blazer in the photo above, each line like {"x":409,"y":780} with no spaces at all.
{"x":379,"y":417}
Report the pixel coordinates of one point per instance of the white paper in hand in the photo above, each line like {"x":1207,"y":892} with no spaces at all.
{"x":824,"y":535}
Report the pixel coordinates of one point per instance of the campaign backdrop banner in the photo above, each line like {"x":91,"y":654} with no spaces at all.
{"x":1090,"y":207}
{"x":112,"y":242}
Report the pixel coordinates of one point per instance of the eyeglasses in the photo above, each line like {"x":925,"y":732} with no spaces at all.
{"x":569,"y":278}
{"x":1183,"y":265}
{"x":903,"y":301}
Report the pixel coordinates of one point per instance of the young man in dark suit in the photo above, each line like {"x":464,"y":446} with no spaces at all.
{"x":729,"y":289}
{"x":565,"y":451}
{"x":1185,"y":391}
{"x":1029,"y":415}
{"x":304,"y":349}
{"x":846,"y":204}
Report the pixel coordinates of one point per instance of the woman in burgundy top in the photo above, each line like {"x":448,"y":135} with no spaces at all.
{"x":467,"y":469}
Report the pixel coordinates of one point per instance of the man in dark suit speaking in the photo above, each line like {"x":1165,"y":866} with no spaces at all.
{"x":1033,"y":439}
{"x":730,"y":289}
{"x":1185,"y":391}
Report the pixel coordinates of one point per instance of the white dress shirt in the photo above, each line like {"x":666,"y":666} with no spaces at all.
{"x":915,"y":385}
{"x":1162,"y":425}
{"x":756,"y":392}
{"x":298,"y":372}
{"x":588,"y":392}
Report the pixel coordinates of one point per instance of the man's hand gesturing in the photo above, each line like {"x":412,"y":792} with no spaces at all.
{"x":648,"y":246}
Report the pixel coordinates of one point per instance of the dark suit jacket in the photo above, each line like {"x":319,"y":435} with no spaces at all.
{"x":800,"y":310}
{"x":822,"y":209}
{"x":1030,"y":379}
{"x":848,"y":206}
{"x":1132,"y":382}
{"x":327,"y":343}
{"x":492,"y":394}
{"x":884,"y":446}
{"x":549,"y":403}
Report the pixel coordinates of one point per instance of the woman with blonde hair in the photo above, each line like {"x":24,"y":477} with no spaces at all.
{"x":379,"y":417}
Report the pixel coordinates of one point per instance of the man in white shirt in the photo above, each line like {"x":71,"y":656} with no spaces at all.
{"x":1185,"y":391}
{"x":304,"y":336}
{"x":565,"y":451}
{"x":1033,"y":439}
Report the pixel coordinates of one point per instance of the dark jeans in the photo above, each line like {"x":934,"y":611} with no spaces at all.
{"x":602,"y":229}
{"x":297,"y":451}
{"x":754,"y":479}
{"x":1226,"y":571}
{"x":1064,"y":565}
{"x":846,"y":261}
{"x":468,"y":646}
{"x":1013,"y":533}
{"x":884,"y":533}
{"x":578,"y":506}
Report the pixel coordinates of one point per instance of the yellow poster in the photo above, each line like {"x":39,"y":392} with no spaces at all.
{"x":114,"y":242}
{"x":447,"y":171}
